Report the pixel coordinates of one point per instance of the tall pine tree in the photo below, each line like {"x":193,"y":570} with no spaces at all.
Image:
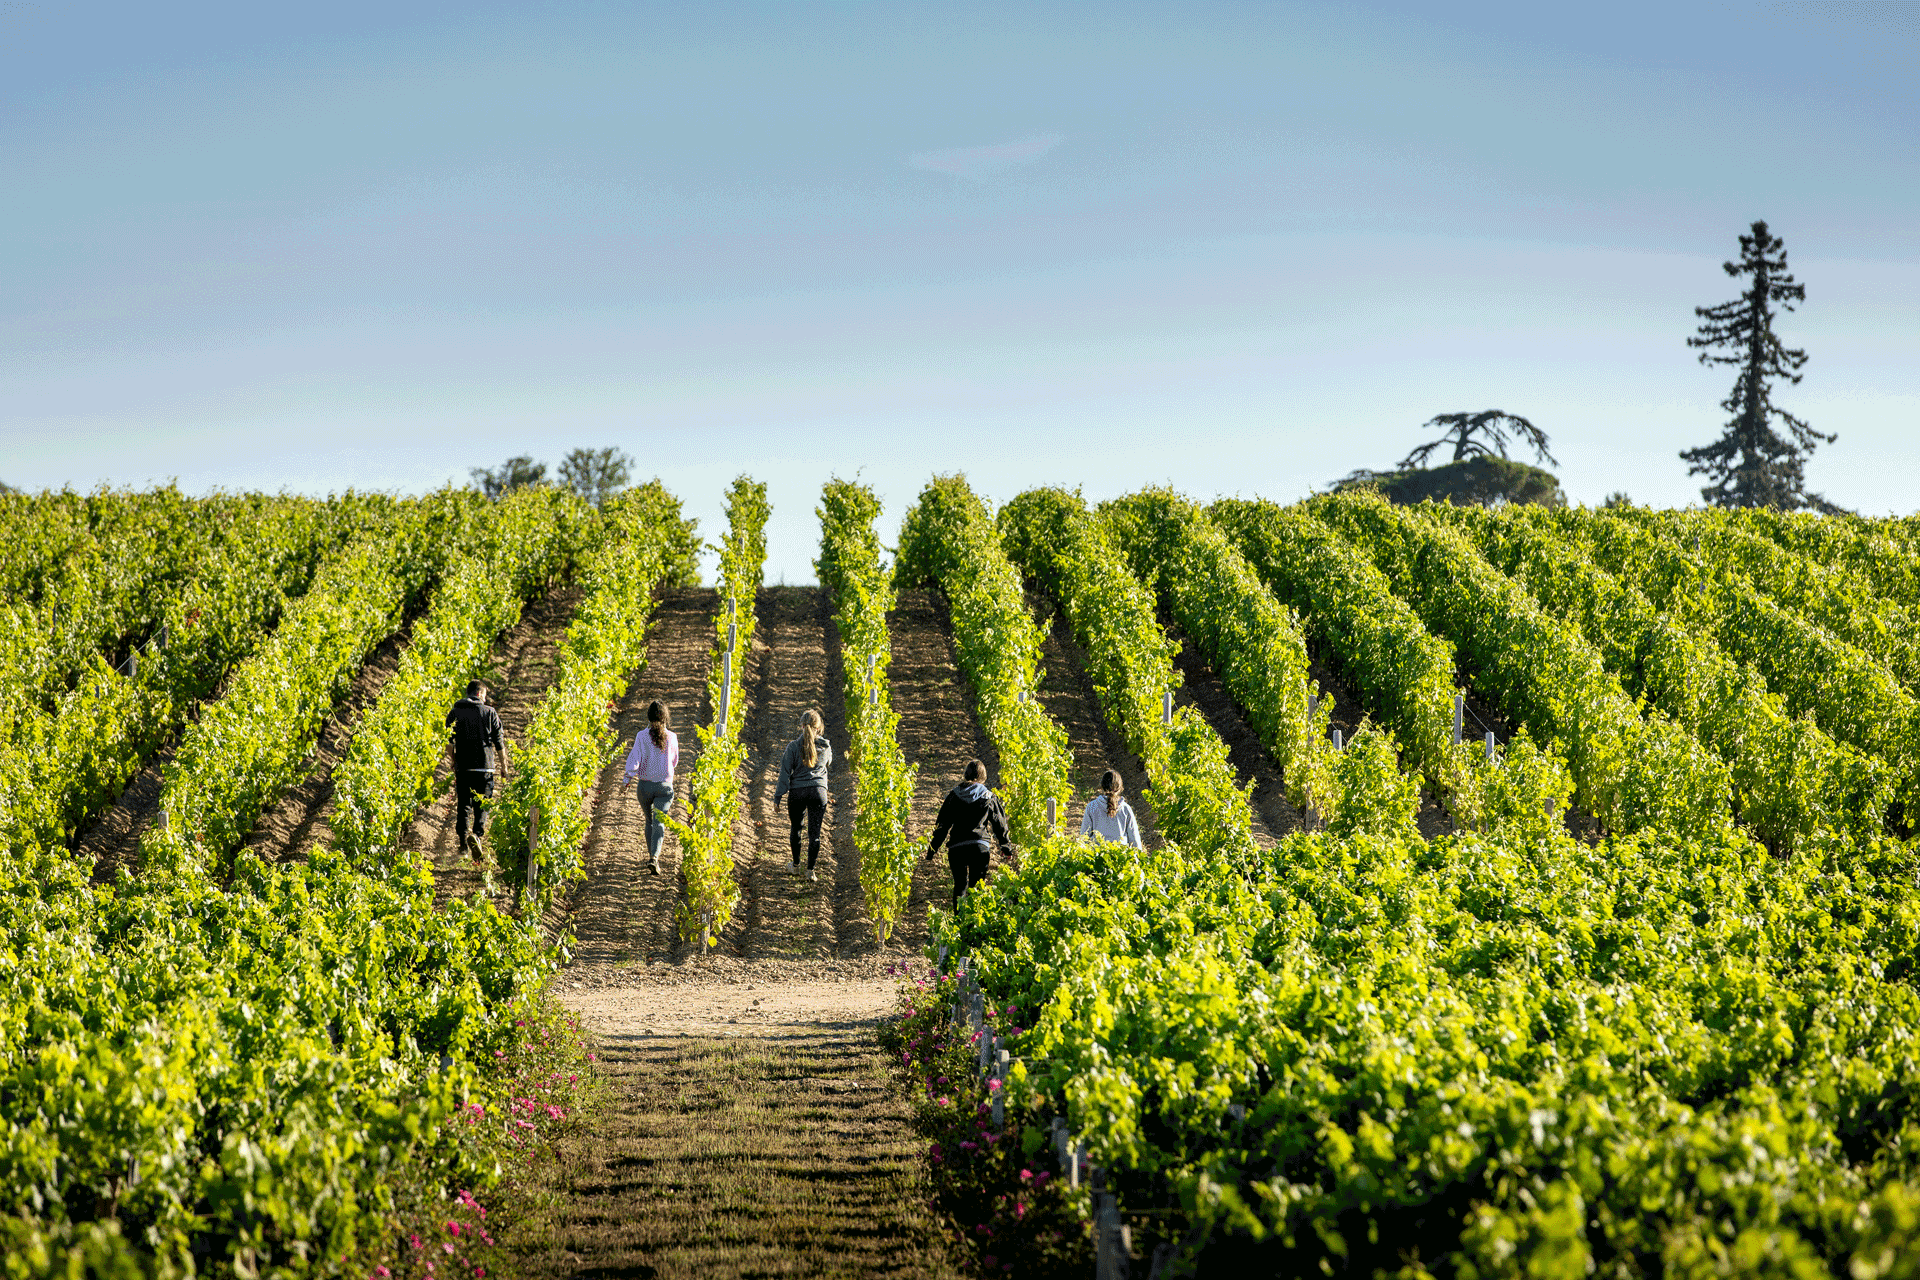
{"x":1752,"y":465}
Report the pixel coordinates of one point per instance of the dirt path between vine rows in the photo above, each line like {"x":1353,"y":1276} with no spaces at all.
{"x":298,"y":820}
{"x":784,"y":914}
{"x":939,"y":733}
{"x":112,"y":843}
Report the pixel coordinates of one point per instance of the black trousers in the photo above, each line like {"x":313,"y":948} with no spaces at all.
{"x":808,"y":805}
{"x":471,"y":790}
{"x":969,"y":865}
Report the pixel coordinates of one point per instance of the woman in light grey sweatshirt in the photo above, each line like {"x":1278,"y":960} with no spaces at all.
{"x":803,"y":781}
{"x":1110,"y":817}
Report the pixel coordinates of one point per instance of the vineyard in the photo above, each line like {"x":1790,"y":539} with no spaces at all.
{"x":1529,"y":892}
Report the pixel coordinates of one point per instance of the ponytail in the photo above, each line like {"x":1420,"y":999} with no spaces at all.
{"x":658,"y":718}
{"x":1110,"y":787}
{"x":810,"y":725}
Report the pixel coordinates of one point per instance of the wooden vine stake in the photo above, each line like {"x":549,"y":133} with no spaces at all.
{"x":726,"y":692}
{"x":1313,"y":709}
{"x":962,"y":1001}
{"x":533,"y":846}
{"x":1490,"y":759}
{"x":1459,"y":718}
{"x":1051,"y":810}
{"x":1112,"y":1244}
{"x":1166,"y":709}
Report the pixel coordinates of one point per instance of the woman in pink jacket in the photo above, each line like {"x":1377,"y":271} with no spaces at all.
{"x":655,"y":754}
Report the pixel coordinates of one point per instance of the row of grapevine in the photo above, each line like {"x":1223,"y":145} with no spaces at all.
{"x":389,"y":769}
{"x":66,"y":763}
{"x":1196,"y":795}
{"x":1792,"y":782}
{"x":557,"y":760}
{"x":236,"y":1079}
{"x":39,"y":532}
{"x":1500,"y":1056}
{"x":115,"y":568}
{"x":101,"y":590}
{"x":239,"y":1075}
{"x":246,"y":748}
{"x":1632,"y":773}
{"x":1502,"y":1052}
{"x":243,"y":1075}
{"x":948,"y":540}
{"x":1853,"y":698}
{"x":1868,"y":550}
{"x":57,"y":545}
{"x":1843,"y":604}
{"x":708,"y":890}
{"x":862,"y":592}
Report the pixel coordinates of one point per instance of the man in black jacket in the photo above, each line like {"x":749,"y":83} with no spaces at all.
{"x":475,"y":737}
{"x":977,"y":822}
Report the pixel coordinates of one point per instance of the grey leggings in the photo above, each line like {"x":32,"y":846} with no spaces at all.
{"x":656,"y":798}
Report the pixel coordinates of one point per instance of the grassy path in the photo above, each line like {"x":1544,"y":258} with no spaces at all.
{"x":737,"y":1156}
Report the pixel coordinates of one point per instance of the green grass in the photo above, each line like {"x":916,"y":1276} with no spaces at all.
{"x":736,"y":1157}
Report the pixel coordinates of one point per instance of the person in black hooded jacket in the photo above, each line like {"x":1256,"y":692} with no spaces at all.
{"x":974,"y":819}
{"x":475,"y":738}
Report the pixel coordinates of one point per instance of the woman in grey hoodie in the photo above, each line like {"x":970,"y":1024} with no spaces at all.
{"x":803,"y":781}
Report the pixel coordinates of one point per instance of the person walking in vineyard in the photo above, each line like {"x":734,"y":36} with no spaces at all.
{"x":972,"y":822}
{"x":803,"y":782}
{"x":650,"y":765}
{"x":475,"y":737}
{"x":1108,"y":816}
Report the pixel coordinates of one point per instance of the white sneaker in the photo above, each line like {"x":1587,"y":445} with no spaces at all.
{"x":813,"y":875}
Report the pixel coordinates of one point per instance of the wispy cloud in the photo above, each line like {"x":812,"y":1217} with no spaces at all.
{"x":984,"y":162}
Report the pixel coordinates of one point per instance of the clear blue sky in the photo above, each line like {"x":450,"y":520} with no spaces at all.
{"x":1238,"y":248}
